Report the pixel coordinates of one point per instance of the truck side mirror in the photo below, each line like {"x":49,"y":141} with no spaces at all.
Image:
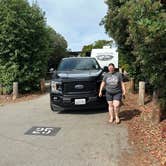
{"x":105,"y":69}
{"x":51,"y":70}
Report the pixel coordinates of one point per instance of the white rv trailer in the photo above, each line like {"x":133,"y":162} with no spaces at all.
{"x":105,"y":56}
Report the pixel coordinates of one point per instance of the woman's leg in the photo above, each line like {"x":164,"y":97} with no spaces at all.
{"x":116,"y":107}
{"x":111,"y":111}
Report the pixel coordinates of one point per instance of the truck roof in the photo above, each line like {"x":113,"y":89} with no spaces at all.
{"x":78,"y":58}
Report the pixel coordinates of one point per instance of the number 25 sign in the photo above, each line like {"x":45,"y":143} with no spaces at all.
{"x":45,"y":131}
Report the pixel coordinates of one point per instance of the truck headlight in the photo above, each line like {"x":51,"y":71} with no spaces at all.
{"x":56,"y":86}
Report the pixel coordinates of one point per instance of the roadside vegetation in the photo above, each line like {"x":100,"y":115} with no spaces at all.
{"x":28,"y":46}
{"x":139,"y":29}
{"x":86,"y":50}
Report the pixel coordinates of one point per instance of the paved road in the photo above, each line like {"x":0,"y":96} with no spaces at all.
{"x":85,"y":137}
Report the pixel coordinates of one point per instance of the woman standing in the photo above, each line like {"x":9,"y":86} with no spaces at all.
{"x":115,"y":89}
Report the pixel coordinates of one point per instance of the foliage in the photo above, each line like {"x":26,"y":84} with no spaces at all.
{"x":97,"y":44}
{"x":58,"y":48}
{"x":138,"y":27}
{"x":25,"y":44}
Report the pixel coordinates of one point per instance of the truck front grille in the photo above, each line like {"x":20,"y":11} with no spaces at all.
{"x":79,"y":87}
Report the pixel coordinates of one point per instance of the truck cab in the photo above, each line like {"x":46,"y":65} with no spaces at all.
{"x":75,"y":84}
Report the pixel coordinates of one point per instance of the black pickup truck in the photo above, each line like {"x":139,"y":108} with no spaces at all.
{"x":75,"y":84}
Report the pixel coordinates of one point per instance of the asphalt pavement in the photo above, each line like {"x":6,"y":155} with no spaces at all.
{"x":83,"y":138}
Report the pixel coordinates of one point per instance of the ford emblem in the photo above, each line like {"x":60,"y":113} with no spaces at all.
{"x":79,"y":86}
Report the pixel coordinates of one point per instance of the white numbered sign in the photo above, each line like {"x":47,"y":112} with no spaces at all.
{"x":45,"y":131}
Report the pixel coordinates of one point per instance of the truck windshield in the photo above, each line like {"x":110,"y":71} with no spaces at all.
{"x":78,"y":64}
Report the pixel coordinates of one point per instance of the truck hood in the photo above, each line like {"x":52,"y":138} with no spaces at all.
{"x":77,"y":74}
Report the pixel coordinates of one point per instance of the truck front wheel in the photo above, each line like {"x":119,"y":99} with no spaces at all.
{"x":52,"y":107}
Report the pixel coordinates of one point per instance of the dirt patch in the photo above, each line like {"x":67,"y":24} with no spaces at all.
{"x":6,"y":99}
{"x":148,"y":140}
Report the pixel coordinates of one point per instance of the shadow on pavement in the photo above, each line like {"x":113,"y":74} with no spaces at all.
{"x":128,"y":114}
{"x":84,"y":111}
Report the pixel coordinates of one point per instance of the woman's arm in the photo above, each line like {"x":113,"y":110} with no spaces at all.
{"x":102,"y":85}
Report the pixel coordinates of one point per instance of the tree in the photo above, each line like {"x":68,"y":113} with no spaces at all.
{"x":97,"y":44}
{"x":58,"y":48}
{"x":116,"y":26}
{"x":86,"y":49}
{"x":24,"y":44}
{"x":138,"y":27}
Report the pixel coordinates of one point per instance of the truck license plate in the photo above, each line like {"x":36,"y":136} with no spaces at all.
{"x":80,"y":101}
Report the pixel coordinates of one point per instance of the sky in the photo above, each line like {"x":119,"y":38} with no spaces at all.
{"x":76,"y":20}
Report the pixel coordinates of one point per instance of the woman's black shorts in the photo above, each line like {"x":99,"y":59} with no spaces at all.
{"x":111,"y":97}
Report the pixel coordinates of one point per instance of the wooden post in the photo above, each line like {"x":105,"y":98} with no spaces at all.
{"x":141,"y":93}
{"x":156,"y":111}
{"x":1,"y":89}
{"x":15,"y":90}
{"x":120,"y":70}
{"x":4,"y":90}
{"x":132,"y":85}
{"x":155,"y":96}
{"x":42,"y":85}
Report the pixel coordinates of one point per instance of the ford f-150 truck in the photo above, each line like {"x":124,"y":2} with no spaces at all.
{"x":75,"y":84}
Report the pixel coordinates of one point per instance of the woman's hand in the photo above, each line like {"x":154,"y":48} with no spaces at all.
{"x":101,"y":88}
{"x":100,"y":94}
{"x":124,"y":93}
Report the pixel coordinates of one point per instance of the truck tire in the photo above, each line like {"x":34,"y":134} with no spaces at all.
{"x":52,"y":107}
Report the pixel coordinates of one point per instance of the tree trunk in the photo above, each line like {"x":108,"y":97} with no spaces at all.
{"x":132,"y":85}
